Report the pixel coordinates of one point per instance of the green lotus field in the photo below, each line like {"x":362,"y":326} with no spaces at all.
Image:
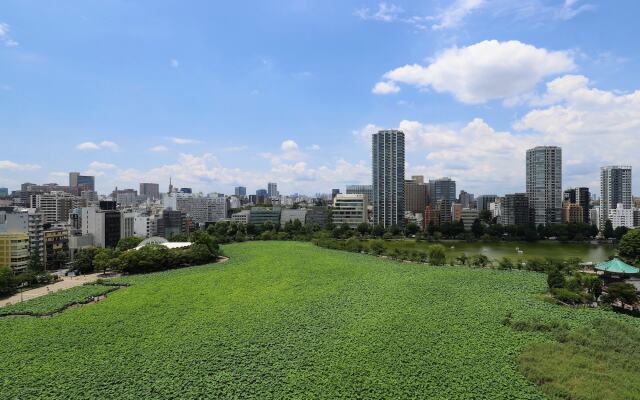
{"x":283,"y":320}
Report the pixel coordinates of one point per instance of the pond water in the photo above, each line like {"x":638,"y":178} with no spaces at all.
{"x":527,"y":250}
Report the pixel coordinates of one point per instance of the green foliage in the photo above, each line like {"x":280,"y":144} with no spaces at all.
{"x":83,"y":260}
{"x":56,"y":301}
{"x":555,"y":279}
{"x":436,"y":254}
{"x":596,"y":361}
{"x":608,"y":231}
{"x":128,"y":243}
{"x":7,"y":281}
{"x":292,"y":320}
{"x":629,"y":246}
{"x":620,"y":291}
{"x":479,"y":260}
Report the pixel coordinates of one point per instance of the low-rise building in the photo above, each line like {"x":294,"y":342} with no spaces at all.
{"x":350,"y":209}
{"x":241,"y":217}
{"x":468,"y":216}
{"x":292,"y":214}
{"x":259,"y":215}
{"x":14,"y":251}
{"x":621,"y":216}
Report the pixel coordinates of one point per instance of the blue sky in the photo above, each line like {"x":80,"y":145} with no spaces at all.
{"x":218,"y":94}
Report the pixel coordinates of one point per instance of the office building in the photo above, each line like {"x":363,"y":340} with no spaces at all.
{"x":366,"y":190}
{"x":483,"y":201}
{"x":317,"y":216}
{"x":350,"y":209}
{"x":515,"y":210}
{"x":443,"y":188}
{"x":241,"y":217}
{"x":468,"y":217}
{"x":456,"y":212}
{"x":388,"y":178}
{"x":81,"y":182}
{"x":572,"y":213}
{"x":150,"y":191}
{"x":102,"y":225}
{"x":578,"y":196}
{"x":259,"y":215}
{"x":125,"y":197}
{"x":466,"y":200}
{"x":615,"y":188}
{"x":272,"y":190}
{"x":55,"y":206}
{"x":4,"y":192}
{"x":444,"y":207}
{"x":14,"y":251}
{"x":201,"y":209}
{"x":56,"y":244}
{"x":415,"y":194}
{"x":172,"y":222}
{"x":240,"y":191}
{"x":334,"y":193}
{"x":431,"y":216}
{"x":292,"y":214}
{"x":186,"y":190}
{"x":544,"y":184}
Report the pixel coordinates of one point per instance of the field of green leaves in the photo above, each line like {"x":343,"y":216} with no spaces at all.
{"x":57,"y":301}
{"x":290,"y":320}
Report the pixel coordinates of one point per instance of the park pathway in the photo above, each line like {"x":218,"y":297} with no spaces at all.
{"x":66,"y":283}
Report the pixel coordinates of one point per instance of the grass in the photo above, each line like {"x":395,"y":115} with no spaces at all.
{"x":56,"y":301}
{"x":290,"y":320}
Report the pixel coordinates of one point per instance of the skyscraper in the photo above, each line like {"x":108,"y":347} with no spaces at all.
{"x":442,"y":189}
{"x":581,"y":197}
{"x":81,"y":182}
{"x":388,"y":177}
{"x":415,"y":194}
{"x":544,"y":184}
{"x":240,"y":191}
{"x":272,"y":190}
{"x":150,"y":190}
{"x":615,"y":188}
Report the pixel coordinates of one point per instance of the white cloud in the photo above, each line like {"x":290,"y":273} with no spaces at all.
{"x":486,"y":70}
{"x":455,"y":14}
{"x":105,"y":144}
{"x":179,"y":140}
{"x":289,"y":145}
{"x":158,"y":149}
{"x":386,"y":12}
{"x":314,"y":147}
{"x":571,"y":8}
{"x":87,"y":146}
{"x":4,"y":36}
{"x":385,"y":88}
{"x":13,"y":166}
{"x":174,"y":63}
{"x":97,"y":168}
{"x":601,"y":124}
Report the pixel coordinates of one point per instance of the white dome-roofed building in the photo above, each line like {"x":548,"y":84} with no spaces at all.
{"x":163,"y":242}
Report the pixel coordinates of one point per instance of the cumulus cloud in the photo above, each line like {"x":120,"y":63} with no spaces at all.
{"x":14,"y":166}
{"x":105,"y":144}
{"x":289,"y":145}
{"x":486,"y":70}
{"x":180,"y":140}
{"x":601,"y":125}
{"x":98,"y":168}
{"x":385,"y":88}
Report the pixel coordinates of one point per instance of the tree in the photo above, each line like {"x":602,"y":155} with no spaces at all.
{"x":128,"y":243}
{"x":105,"y":259}
{"x":620,"y":231}
{"x":476,"y":228}
{"x":463,"y":259}
{"x":624,"y":292}
{"x":506,"y":263}
{"x":485,"y":216}
{"x":83,"y":260}
{"x":394,"y":230}
{"x":60,"y":259}
{"x":35,"y":264}
{"x":363,"y":228}
{"x":629,"y":247}
{"x":7,"y":282}
{"x":608,"y":231}
{"x":437,"y":254}
{"x":377,"y":247}
{"x":378,"y":230}
{"x":555,"y":279}
{"x":411,"y":229}
{"x":480,"y":260}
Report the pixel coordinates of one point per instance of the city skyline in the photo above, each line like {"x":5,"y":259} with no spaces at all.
{"x":179,"y":102}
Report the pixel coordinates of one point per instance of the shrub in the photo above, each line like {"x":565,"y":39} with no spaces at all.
{"x":437,"y":254}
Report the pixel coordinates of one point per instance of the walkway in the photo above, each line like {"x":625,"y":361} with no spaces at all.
{"x":66,"y":283}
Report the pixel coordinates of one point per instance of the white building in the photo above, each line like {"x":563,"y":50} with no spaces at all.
{"x":350,"y":209}
{"x":615,"y":189}
{"x":127,"y":220}
{"x":496,"y":208}
{"x":621,"y":216}
{"x":468,"y":216}
{"x":200,"y":208}
{"x":241,"y":217}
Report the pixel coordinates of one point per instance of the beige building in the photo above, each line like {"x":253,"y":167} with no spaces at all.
{"x":14,"y":251}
